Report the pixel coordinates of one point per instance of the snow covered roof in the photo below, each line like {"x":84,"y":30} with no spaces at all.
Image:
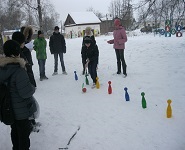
{"x":107,"y":17}
{"x":84,"y":17}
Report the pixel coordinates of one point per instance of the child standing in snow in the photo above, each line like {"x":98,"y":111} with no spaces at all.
{"x":40,"y":48}
{"x":119,"y":40}
{"x":90,"y":54}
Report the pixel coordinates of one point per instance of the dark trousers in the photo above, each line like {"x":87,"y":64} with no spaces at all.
{"x":42,"y":63}
{"x":20,"y":133}
{"x":92,"y":70}
{"x":31,"y":75}
{"x":61,"y":60}
{"x":121,"y":60}
{"x":83,"y":64}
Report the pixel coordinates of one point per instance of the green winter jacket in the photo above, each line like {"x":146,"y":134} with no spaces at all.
{"x":40,"y":48}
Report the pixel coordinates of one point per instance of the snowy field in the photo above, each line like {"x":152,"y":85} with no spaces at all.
{"x":156,"y":66}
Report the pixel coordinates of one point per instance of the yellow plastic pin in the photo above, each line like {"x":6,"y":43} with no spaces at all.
{"x":169,"y":109}
{"x":97,"y":83}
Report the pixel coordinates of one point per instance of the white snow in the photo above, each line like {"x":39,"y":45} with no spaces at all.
{"x":156,"y":66}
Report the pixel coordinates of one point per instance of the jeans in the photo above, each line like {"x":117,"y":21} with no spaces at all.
{"x":92,"y":70}
{"x":20,"y":133}
{"x":61,"y":60}
{"x":42,"y":63}
{"x":120,"y":59}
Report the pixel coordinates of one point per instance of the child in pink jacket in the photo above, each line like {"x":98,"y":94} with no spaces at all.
{"x":119,"y":40}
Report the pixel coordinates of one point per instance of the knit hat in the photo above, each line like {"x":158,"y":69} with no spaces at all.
{"x":56,"y":28}
{"x":87,"y":40}
{"x":40,"y":32}
{"x":11,"y":47}
{"x":18,"y":37}
{"x":117,"y":22}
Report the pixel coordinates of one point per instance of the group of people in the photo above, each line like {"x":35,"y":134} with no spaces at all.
{"x":16,"y":67}
{"x":90,"y":52}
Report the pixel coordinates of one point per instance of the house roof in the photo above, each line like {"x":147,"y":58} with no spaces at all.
{"x":84,"y":17}
{"x":107,"y":17}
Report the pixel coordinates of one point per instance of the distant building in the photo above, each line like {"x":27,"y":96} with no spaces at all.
{"x":76,"y":22}
{"x":107,"y":24}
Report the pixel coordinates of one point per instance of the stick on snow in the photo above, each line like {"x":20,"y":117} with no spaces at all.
{"x":71,"y":138}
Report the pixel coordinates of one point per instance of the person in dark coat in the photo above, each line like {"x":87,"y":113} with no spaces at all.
{"x":26,"y":55}
{"x":90,"y":55}
{"x":12,"y":68}
{"x":57,"y":46}
{"x":88,"y":33}
{"x":19,"y":37}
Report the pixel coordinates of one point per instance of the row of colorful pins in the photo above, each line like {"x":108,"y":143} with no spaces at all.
{"x":127,"y":97}
{"x":144,"y":105}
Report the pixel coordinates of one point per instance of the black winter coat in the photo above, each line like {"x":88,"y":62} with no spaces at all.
{"x":57,"y":43}
{"x":26,"y":55}
{"x":21,"y":90}
{"x":91,"y":52}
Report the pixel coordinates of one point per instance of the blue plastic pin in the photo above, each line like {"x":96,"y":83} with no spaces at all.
{"x":76,"y":77}
{"x":127,"y":97}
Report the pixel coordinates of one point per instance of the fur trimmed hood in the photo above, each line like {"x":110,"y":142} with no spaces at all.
{"x":11,"y":60}
{"x":28,"y":32}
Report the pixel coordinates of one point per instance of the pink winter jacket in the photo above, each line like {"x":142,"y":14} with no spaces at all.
{"x":120,"y":38}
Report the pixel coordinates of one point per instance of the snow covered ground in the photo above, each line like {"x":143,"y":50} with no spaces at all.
{"x":156,"y":66}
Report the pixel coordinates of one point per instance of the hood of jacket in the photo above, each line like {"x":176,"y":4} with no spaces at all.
{"x":54,"y":33}
{"x":8,"y":65}
{"x":28,"y":32}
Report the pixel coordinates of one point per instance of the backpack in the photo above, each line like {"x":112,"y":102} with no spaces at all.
{"x":6,"y":110}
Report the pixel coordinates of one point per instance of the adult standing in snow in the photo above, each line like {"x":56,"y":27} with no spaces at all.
{"x":27,"y":31}
{"x":19,"y":37}
{"x":25,"y":54}
{"x":40,"y":48}
{"x":90,"y":54}
{"x":88,"y":33}
{"x":119,"y":40}
{"x":57,"y":46}
{"x":12,"y":68}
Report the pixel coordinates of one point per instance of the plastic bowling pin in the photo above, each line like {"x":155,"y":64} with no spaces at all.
{"x":97,"y":83}
{"x":76,"y":77}
{"x":127,"y":98}
{"x":169,"y":109}
{"x":83,"y":88}
{"x":86,"y":79}
{"x":143,"y":100}
{"x":109,"y":88}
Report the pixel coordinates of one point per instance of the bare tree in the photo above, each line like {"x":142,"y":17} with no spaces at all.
{"x":15,"y":13}
{"x":97,"y":13}
{"x":122,"y":9}
{"x":158,"y":10}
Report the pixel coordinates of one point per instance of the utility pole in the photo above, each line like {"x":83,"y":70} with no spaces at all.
{"x":40,"y":15}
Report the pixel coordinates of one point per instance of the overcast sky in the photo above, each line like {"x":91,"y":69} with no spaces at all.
{"x":63,"y":7}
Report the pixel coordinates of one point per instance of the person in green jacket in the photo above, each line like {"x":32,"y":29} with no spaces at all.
{"x":40,"y":48}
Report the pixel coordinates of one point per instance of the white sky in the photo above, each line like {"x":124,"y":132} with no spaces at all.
{"x":64,"y":7}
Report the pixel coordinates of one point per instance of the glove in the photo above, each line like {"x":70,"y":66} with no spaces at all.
{"x":87,"y":60}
